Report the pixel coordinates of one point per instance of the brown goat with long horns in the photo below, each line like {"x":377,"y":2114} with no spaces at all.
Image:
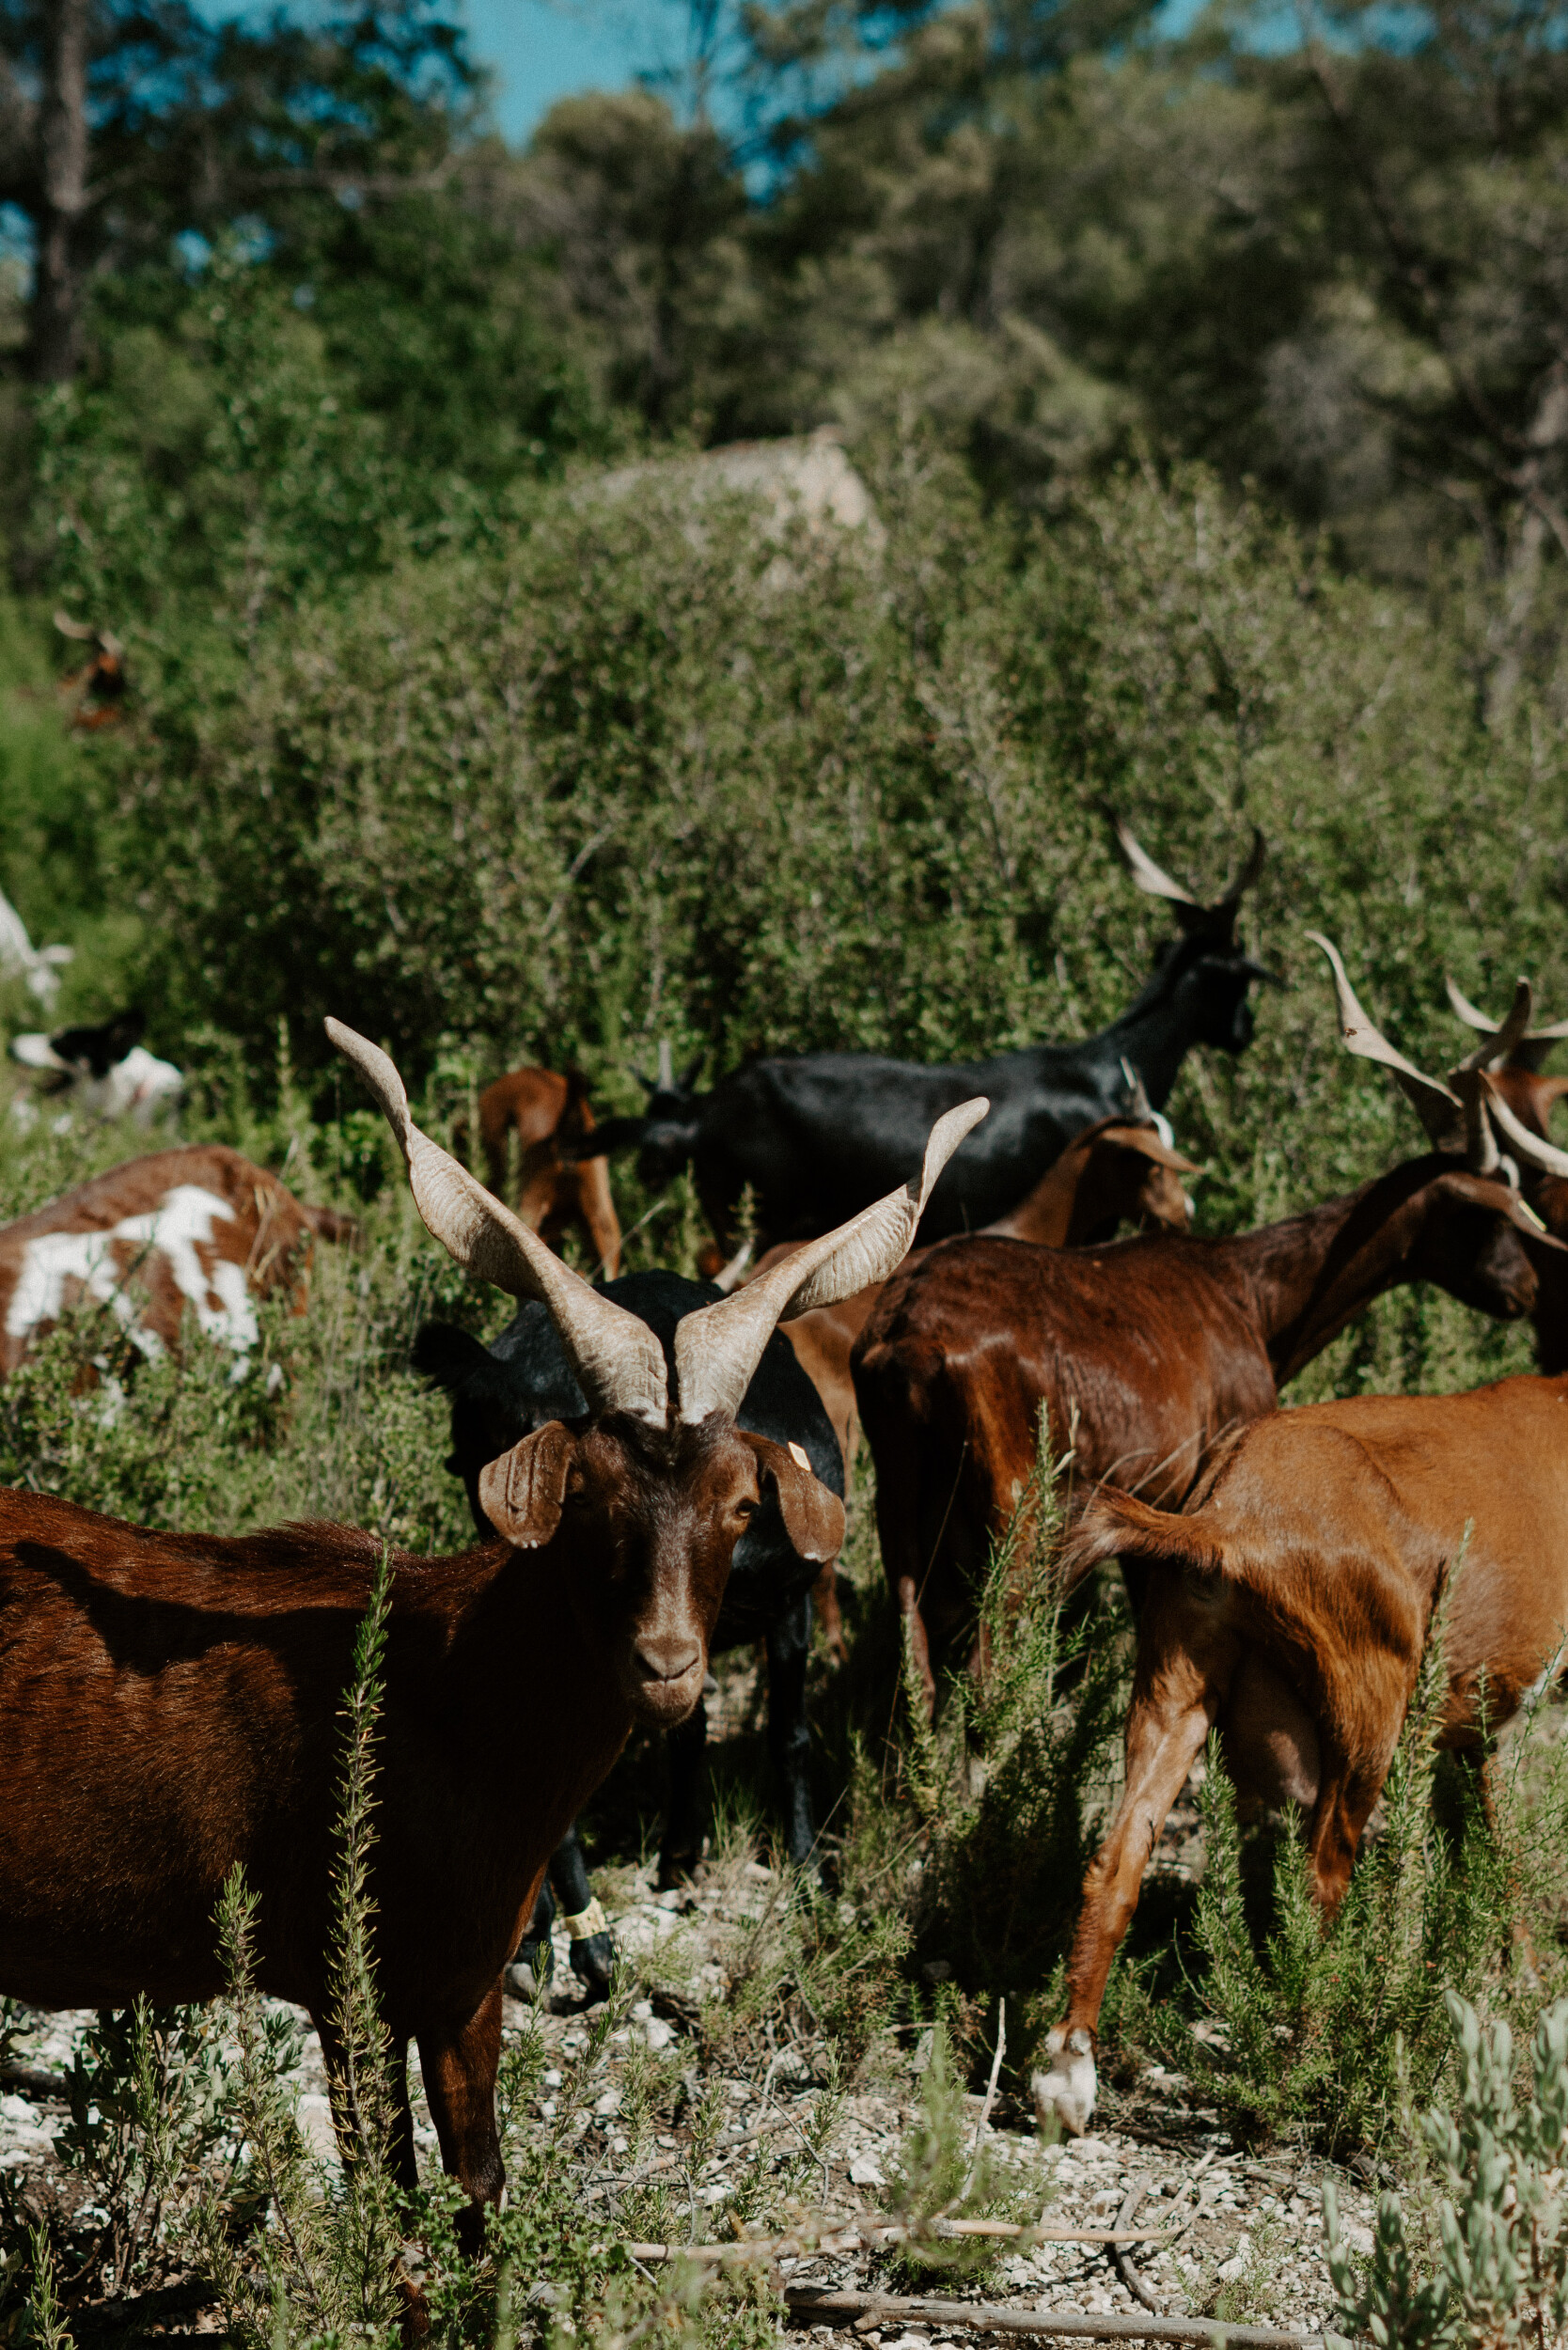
{"x":169,"y":1704}
{"x":1160,"y":1345}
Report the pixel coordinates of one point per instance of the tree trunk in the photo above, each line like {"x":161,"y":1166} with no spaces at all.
{"x":63,"y":140}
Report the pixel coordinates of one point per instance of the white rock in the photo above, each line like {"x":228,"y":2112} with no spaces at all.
{"x":865,"y":2171}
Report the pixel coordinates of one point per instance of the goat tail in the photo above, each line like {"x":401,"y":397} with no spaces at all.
{"x":1116,"y":1524}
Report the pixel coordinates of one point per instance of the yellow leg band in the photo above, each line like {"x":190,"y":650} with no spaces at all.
{"x":587,"y":1922}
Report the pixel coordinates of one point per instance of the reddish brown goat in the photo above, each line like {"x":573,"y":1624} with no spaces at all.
{"x":198,"y":1229}
{"x":1160,"y":1345}
{"x":1289,"y":1605}
{"x":1114,"y":1172}
{"x":547,"y":1110}
{"x":169,"y":1704}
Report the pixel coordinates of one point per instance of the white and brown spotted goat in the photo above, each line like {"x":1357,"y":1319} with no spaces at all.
{"x":198,"y":1228}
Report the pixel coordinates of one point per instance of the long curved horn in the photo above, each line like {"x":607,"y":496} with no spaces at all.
{"x":1467,"y":1011}
{"x":1145,"y":872}
{"x":80,"y":631}
{"x":619,"y":1362}
{"x":666,"y":1065}
{"x":1543,"y":1156}
{"x":1441,"y":1113}
{"x":1527,"y":1051}
{"x":1246,"y":879}
{"x":1505,"y":1037}
{"x":718,"y":1347}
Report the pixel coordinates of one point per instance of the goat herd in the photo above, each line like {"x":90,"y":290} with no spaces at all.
{"x":656,"y":1468}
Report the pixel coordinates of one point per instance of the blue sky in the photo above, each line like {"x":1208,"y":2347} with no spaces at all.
{"x":541,"y":50}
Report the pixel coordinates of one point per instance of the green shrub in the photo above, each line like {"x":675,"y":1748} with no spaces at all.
{"x":1491,"y":2267}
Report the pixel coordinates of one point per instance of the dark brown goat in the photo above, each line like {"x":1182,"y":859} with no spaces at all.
{"x":547,"y":1110}
{"x":199,"y":1228}
{"x":1291,"y":1604}
{"x":1160,"y":1346}
{"x":169,"y":1704}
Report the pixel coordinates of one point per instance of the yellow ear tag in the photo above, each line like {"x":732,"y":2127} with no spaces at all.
{"x":797,"y":1455}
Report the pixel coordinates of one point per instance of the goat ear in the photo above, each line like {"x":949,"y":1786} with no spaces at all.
{"x":813,"y":1517}
{"x":1149,"y":1145}
{"x":522,"y":1492}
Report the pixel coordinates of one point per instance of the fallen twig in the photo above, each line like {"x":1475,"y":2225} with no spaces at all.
{"x":31,"y":2080}
{"x":809,"y":2303}
{"x":1122,"y":2264}
{"x":855,"y":2237}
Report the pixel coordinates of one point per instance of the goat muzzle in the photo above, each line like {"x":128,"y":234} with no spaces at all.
{"x":664,"y":1676}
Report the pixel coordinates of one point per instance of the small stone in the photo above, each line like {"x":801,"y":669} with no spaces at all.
{"x":865,"y":2171}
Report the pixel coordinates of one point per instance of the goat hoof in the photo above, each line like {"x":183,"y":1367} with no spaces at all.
{"x":1066,"y":2093}
{"x":593,"y":1964}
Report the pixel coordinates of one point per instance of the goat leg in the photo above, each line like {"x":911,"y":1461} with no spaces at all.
{"x":681,"y":1848}
{"x":458,"y":2064}
{"x":592,"y":1954}
{"x":533,"y":1962}
{"x":824,"y":1599}
{"x":919,"y":1644}
{"x":788,"y":1643}
{"x":596,"y":1207}
{"x":1174,"y":1705}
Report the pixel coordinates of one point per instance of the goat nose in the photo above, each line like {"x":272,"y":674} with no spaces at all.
{"x":666,"y":1660}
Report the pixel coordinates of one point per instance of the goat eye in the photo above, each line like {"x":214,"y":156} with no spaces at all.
{"x":745,"y":1507}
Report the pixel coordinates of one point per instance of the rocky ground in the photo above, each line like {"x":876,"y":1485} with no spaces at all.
{"x":1240,"y":2237}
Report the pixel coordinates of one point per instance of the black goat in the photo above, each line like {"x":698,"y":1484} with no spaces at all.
{"x":817,"y":1135}
{"x":502,"y":1393}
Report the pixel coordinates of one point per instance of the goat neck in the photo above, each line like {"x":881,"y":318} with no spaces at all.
{"x":1198,"y":993}
{"x":1309,"y":1276}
